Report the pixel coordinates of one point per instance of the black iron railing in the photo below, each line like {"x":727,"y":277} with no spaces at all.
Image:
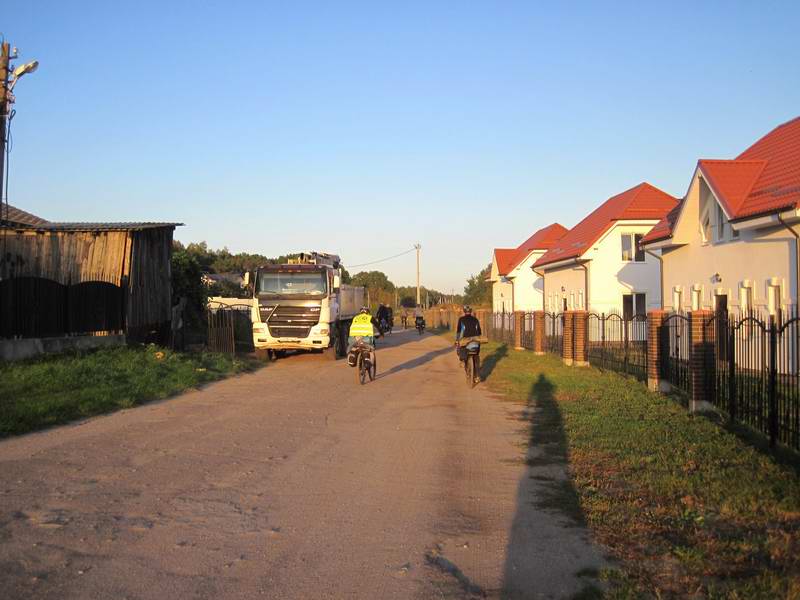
{"x":618,"y":344}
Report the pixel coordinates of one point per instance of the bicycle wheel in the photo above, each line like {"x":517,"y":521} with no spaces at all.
{"x":474,"y":361}
{"x":373,"y":369}
{"x":362,"y":369}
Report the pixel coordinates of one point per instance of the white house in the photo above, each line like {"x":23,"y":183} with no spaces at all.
{"x":732,"y":242}
{"x":515,"y":286}
{"x":598,"y":265}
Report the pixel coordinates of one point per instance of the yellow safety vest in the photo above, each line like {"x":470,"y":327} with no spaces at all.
{"x":361,"y":326}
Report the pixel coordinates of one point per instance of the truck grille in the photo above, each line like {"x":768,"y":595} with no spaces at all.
{"x":293,"y":321}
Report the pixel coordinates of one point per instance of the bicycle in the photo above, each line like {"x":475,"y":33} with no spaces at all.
{"x":366,"y":363}
{"x":472,"y":359}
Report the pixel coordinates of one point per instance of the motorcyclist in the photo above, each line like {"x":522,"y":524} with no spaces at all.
{"x":363,"y":326}
{"x":468,"y":326}
{"x":419,"y":315}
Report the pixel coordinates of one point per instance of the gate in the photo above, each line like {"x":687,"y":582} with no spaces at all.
{"x":230,"y":328}
{"x":675,"y":350}
{"x":554,"y":332}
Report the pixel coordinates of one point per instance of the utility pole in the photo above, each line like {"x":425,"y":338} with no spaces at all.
{"x":417,"y":246}
{"x":5,"y":56}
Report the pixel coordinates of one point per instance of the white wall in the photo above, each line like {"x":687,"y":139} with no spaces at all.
{"x":756,"y":259}
{"x":610,"y":277}
{"x":527,"y":284}
{"x":502,"y":295}
{"x":572,"y":280}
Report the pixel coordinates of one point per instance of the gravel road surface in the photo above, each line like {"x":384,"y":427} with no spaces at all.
{"x":296,"y":482}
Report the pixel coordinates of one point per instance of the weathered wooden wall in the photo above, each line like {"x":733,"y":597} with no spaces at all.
{"x":65,"y":256}
{"x":150,"y":283}
{"x":136,"y":258}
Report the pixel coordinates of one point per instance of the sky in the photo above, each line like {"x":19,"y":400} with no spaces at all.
{"x":364,"y":128}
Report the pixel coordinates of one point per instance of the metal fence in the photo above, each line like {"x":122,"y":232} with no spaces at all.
{"x":554,"y":332}
{"x":230,"y":328}
{"x":754,"y":372}
{"x":32,"y":307}
{"x":528,"y":326}
{"x":675,"y":351}
{"x":500,"y":327}
{"x":617,"y":343}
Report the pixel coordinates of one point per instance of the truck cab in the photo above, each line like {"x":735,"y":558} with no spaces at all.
{"x":302,"y":305}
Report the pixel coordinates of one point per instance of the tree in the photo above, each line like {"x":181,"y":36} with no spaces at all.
{"x":374,"y":280}
{"x":478,"y":290}
{"x":187,"y":283}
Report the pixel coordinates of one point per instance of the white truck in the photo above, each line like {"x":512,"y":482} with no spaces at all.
{"x":302,"y":305}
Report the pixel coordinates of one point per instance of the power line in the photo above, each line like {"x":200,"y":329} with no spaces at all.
{"x":374,"y":262}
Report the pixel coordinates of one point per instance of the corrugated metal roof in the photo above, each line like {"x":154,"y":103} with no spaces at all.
{"x":17,"y":216}
{"x":125,"y":226}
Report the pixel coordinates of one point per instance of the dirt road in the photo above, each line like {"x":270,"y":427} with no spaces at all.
{"x":294,"y":482}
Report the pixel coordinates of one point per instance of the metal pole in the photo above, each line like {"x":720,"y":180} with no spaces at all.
{"x":417,"y":246}
{"x":4,"y":58}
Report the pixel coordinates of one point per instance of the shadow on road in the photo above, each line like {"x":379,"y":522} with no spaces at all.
{"x":548,"y":551}
{"x":414,"y":362}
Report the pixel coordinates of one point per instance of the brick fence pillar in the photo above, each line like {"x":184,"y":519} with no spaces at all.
{"x":701,"y":361}
{"x":580,"y":319}
{"x":567,"y":352}
{"x":519,"y":324}
{"x":538,"y":332}
{"x":657,"y":349}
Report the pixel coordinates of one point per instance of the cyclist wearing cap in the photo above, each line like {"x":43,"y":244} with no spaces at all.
{"x":468,"y":326}
{"x":361,"y":327}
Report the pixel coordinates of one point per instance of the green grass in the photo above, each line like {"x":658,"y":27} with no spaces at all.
{"x":56,"y":389}
{"x":686,"y":507}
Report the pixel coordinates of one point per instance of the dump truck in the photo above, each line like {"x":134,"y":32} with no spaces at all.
{"x":302,"y":305}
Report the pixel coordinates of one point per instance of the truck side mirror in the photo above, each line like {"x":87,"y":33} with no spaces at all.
{"x":337,"y":283}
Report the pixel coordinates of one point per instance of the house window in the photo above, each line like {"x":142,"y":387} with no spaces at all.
{"x":633,"y":305}
{"x":630,"y":247}
{"x":677,"y":299}
{"x":773,"y":298}
{"x":697,"y":298}
{"x":705,"y":230}
{"x":720,"y":224}
{"x":745,"y":298}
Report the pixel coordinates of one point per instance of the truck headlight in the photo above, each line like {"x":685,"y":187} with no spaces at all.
{"x":323,"y":331}
{"x":257,"y":329}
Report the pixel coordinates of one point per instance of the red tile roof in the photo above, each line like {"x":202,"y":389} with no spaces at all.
{"x":505,"y":259}
{"x":764,"y":178}
{"x":509,"y":258}
{"x":643,"y":202}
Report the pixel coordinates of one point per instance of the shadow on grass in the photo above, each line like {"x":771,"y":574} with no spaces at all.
{"x":489,"y":362}
{"x":547,"y":551}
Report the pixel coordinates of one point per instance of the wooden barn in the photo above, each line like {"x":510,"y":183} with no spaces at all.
{"x":83,"y":278}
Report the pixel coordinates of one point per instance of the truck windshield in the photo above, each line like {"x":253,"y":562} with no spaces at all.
{"x":291,"y":284}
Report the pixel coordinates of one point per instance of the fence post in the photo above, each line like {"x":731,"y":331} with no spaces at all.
{"x":701,"y":361}
{"x":772,"y":393}
{"x":538,"y":332}
{"x":655,"y":351}
{"x":731,"y":333}
{"x":519,"y":324}
{"x":580,"y":338}
{"x":567,"y":351}
{"x":625,"y":342}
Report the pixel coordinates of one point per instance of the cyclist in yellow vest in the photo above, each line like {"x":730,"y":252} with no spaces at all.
{"x":361,"y":327}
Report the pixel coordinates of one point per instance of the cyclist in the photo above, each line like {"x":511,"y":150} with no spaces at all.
{"x":362,"y":327}
{"x":468,"y":326}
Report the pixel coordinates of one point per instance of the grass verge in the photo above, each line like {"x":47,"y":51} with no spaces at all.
{"x":687,"y":508}
{"x":56,"y":389}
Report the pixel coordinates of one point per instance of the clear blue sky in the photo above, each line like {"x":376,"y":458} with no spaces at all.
{"x":275,"y":127}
